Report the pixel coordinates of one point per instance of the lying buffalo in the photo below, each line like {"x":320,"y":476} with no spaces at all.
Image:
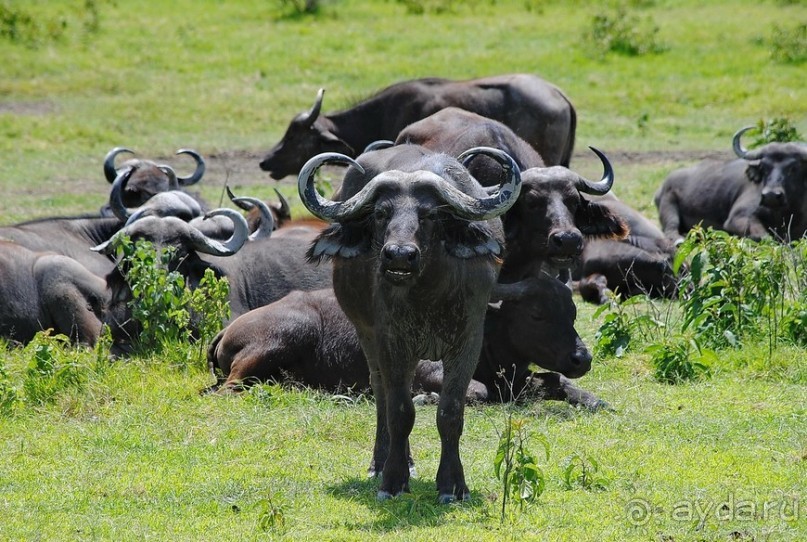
{"x":149,"y":178}
{"x":306,"y":338}
{"x":535,"y":109}
{"x":43,"y":290}
{"x":761,"y":193}
{"x":416,"y":248}
{"x":641,"y":263}
{"x":258,"y":272}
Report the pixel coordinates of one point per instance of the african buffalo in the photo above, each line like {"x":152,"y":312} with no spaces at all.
{"x":416,"y":250}
{"x":69,"y":236}
{"x":535,"y":109}
{"x":550,"y":221}
{"x":641,"y":263}
{"x":306,"y":338}
{"x":148,"y":178}
{"x":259,"y":271}
{"x":762,"y":193}
{"x":43,"y":290}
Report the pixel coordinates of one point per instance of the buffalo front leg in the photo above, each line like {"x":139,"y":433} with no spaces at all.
{"x":450,"y":419}
{"x":400,"y":414}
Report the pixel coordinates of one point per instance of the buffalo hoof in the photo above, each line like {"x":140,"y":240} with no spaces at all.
{"x":448,"y":498}
{"x":599,"y":406}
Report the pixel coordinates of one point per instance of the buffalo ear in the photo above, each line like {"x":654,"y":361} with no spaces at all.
{"x":343,"y":240}
{"x":597,"y":220}
{"x":333,"y":143}
{"x":466,"y":240}
{"x":753,"y":172}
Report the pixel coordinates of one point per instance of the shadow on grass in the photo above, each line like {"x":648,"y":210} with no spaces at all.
{"x":419,"y":508}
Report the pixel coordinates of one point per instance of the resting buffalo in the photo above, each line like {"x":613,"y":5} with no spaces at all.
{"x":639,"y":264}
{"x":307,"y":338}
{"x":69,"y":236}
{"x":43,"y":290}
{"x":551,"y":220}
{"x":536,"y":110}
{"x":416,"y":250}
{"x":259,"y":271}
{"x":148,"y":178}
{"x":762,"y":193}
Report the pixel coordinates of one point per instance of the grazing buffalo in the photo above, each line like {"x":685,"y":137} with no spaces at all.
{"x":148,"y":178}
{"x":43,"y":290}
{"x":761,"y":193}
{"x":416,"y":250}
{"x":259,"y":271}
{"x":536,"y":110}
{"x":168,"y":203}
{"x":641,"y":263}
{"x":551,"y":220}
{"x":69,"y":236}
{"x":306,"y":338}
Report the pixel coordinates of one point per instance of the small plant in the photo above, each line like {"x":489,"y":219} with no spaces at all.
{"x":778,"y":129}
{"x":789,"y":45}
{"x":584,"y":472}
{"x":299,"y":7}
{"x":516,"y":467}
{"x":52,"y":368}
{"x":680,"y":360}
{"x":626,"y":322}
{"x":272,"y":516}
{"x":8,"y":392}
{"x":623,"y":33}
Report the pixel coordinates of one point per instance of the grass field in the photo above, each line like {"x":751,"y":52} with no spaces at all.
{"x":130,"y":451}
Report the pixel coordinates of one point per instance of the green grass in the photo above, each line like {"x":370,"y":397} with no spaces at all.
{"x":132,"y":452}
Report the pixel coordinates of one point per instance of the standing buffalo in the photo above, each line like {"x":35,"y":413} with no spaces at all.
{"x":641,"y":263}
{"x":550,"y":222}
{"x":762,"y":193}
{"x":43,"y":290}
{"x":535,"y":109}
{"x":307,"y":338}
{"x":416,"y":250}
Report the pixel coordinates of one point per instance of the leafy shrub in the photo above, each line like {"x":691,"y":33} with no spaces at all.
{"x":680,"y":360}
{"x":8,"y":392}
{"x":778,"y":129}
{"x":733,"y":287}
{"x":33,"y":29}
{"x":789,"y":45}
{"x":163,"y":304}
{"x":625,"y":323}
{"x":299,"y":7}
{"x":623,"y":33}
{"x":53,"y":368}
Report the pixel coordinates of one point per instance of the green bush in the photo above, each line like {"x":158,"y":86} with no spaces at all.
{"x":789,"y":45}
{"x":53,"y":368}
{"x":778,"y":129}
{"x":623,"y":33}
{"x":679,"y":360}
{"x":8,"y":392}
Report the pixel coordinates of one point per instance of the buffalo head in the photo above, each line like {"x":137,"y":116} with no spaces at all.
{"x":780,"y":169}
{"x":149,"y":178}
{"x":308,"y":134}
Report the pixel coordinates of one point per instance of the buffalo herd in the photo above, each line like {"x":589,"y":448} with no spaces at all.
{"x":444,"y":262}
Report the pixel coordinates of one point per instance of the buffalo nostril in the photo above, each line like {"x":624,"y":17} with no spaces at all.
{"x":566,"y":241}
{"x":407,"y":255}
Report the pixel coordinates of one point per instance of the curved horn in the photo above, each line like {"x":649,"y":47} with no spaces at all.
{"x":313,"y":113}
{"x":110,"y":172}
{"x":194,"y":177}
{"x":496,"y":203}
{"x":267,"y":224}
{"x":603,"y":185}
{"x":116,"y":194}
{"x":737,"y":145}
{"x":321,"y":207}
{"x":202,"y":243}
{"x":173,"y":183}
{"x":284,"y":211}
{"x":378,"y":145}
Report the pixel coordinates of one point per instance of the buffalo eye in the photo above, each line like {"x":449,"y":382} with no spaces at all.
{"x":381,"y":215}
{"x":427,"y":215}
